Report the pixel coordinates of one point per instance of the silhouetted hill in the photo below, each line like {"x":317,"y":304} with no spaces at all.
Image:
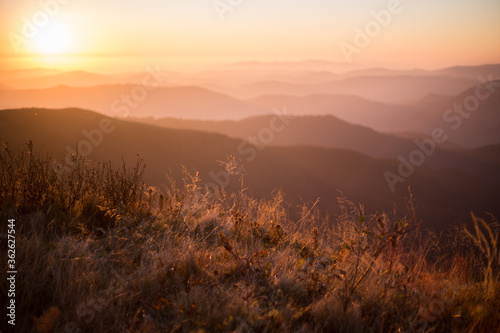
{"x":331,"y":132}
{"x":304,"y":173}
{"x":322,"y":131}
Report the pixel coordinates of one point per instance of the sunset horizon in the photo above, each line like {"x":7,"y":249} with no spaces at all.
{"x":71,"y":35}
{"x":250,"y":166}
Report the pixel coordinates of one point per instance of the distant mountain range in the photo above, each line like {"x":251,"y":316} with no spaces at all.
{"x":247,"y":80}
{"x":124,"y":101}
{"x":191,"y":102}
{"x":478,"y":128}
{"x":347,"y":128}
{"x":388,"y":89}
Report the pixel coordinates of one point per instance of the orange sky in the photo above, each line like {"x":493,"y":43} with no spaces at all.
{"x":123,"y":35}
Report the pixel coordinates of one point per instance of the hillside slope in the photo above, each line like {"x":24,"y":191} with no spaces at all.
{"x":304,"y":173}
{"x":331,"y":132}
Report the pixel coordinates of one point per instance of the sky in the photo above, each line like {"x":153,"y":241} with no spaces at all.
{"x":121,"y":35}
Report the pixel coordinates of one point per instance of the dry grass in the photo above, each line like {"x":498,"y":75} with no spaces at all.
{"x":99,"y":252}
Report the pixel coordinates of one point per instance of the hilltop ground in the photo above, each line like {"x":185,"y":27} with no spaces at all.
{"x":97,"y":251}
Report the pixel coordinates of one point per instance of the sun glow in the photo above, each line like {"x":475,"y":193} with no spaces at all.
{"x":53,"y":40}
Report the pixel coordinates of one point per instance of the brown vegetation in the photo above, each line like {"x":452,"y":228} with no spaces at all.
{"x":98,"y":251}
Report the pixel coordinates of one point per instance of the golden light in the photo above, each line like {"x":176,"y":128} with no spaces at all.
{"x":52,"y":40}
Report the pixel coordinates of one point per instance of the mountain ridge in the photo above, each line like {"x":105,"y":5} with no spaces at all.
{"x":303,"y":172}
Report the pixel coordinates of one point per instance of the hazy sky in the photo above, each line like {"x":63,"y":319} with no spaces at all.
{"x":126,"y":34}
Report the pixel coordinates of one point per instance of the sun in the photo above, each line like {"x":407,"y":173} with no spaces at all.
{"x":52,"y":40}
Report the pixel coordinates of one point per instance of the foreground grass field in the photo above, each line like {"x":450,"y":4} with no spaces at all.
{"x":98,"y":251}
